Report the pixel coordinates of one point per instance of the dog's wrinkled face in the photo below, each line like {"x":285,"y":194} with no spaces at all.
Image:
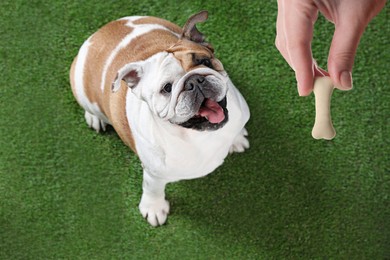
{"x":185,"y":85}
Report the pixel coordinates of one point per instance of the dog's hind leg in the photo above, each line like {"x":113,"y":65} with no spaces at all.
{"x":95,"y":122}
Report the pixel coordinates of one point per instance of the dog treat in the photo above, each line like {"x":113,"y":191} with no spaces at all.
{"x":323,"y":127}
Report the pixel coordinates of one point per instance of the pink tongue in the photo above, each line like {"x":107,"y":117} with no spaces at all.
{"x":213,"y":111}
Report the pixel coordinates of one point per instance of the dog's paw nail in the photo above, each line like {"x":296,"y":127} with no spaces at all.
{"x":95,"y":122}
{"x":154,"y":211}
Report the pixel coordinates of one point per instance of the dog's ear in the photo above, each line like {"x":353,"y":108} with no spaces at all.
{"x":190,"y":32}
{"x":131,"y":73}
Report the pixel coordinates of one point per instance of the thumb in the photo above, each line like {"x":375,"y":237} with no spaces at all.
{"x":342,"y":52}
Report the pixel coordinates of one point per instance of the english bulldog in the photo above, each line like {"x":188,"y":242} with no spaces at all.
{"x":166,"y":95}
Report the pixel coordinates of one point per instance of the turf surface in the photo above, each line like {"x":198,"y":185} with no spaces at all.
{"x":69,"y":193}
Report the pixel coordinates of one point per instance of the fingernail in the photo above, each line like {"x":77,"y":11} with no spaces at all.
{"x":346,"y":80}
{"x":302,"y":92}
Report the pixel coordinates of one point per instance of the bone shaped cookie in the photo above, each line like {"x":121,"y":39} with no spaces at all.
{"x":323,"y":127}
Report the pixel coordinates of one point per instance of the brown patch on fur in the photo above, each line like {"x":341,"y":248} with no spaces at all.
{"x":187,"y":52}
{"x":102,"y":44}
{"x":146,"y":45}
{"x":118,"y":116}
{"x":155,"y":20}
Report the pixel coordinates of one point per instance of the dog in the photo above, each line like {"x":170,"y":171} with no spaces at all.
{"x":166,"y":95}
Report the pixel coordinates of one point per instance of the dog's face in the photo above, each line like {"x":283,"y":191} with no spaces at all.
{"x":185,"y":85}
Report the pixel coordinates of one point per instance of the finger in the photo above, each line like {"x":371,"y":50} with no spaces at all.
{"x":342,"y":52}
{"x":298,"y":27}
{"x":280,"y":40}
{"x":304,"y":70}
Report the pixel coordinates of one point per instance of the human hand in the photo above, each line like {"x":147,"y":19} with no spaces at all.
{"x":295,"y":25}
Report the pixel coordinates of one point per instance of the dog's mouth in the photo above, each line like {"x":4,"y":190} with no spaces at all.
{"x":212,"y":115}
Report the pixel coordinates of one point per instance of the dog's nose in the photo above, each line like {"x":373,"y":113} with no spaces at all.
{"x":194,"y":82}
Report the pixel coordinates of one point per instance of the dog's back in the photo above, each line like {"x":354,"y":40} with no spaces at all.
{"x":94,"y":69}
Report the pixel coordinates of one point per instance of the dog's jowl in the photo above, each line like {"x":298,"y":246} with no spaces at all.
{"x":166,"y":95}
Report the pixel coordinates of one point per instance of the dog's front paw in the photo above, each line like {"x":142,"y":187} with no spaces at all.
{"x":240,"y":142}
{"x":155,"y":211}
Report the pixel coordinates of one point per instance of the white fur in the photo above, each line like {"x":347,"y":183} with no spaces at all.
{"x":91,"y":108}
{"x":79,"y":74}
{"x":82,"y":98}
{"x":171,"y":153}
{"x":175,"y":153}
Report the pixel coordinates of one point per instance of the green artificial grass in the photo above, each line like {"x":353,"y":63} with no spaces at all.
{"x":67,"y":192}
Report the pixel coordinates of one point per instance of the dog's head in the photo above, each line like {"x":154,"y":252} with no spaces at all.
{"x":185,"y":84}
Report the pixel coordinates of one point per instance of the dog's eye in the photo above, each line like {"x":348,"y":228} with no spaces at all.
{"x":206,"y":62}
{"x":167,"y":88}
{"x":203,"y":61}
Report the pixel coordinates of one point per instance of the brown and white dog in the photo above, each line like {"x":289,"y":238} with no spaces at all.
{"x":166,"y":95}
